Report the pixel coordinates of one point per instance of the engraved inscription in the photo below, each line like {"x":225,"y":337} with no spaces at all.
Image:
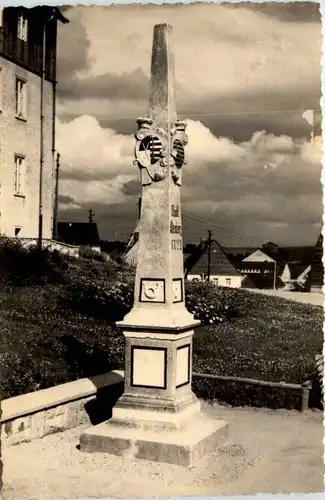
{"x":175,"y":228}
{"x":175,"y":211}
{"x":176,"y":244}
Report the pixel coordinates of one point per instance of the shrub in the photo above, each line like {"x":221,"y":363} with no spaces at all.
{"x":61,"y":331}
{"x":44,"y":344}
{"x":25,"y":266}
{"x":276,"y":340}
{"x":103,"y":295}
{"x":87,"y":252}
{"x":211,"y":304}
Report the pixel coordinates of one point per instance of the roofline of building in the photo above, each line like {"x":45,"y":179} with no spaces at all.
{"x":61,"y":17}
{"x":200,"y":249}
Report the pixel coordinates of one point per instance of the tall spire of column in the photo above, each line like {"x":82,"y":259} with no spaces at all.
{"x":158,"y":331}
{"x":160,"y":155}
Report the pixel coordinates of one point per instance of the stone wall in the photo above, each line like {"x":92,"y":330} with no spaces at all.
{"x":65,"y":406}
{"x":52,"y":245}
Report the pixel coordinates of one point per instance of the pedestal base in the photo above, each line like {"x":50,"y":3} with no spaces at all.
{"x":182,"y":446}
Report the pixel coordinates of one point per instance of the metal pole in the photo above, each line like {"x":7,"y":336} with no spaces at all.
{"x":90,"y":216}
{"x":209,"y":256}
{"x":40,"y":211}
{"x":55,"y":215}
{"x":274,"y":276}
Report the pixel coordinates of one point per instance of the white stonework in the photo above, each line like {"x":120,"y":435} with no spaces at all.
{"x":182,"y":365}
{"x":149,"y":367}
{"x":22,"y":137}
{"x":158,"y":416}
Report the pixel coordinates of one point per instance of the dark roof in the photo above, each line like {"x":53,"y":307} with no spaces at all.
{"x":197,"y":262}
{"x":234,"y":251}
{"x":49,"y":10}
{"x":60,"y":16}
{"x":289,"y":254}
{"x":78,"y":233}
{"x":319,"y":244}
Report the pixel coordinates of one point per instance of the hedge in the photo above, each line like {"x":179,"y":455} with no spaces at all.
{"x":59,"y":325}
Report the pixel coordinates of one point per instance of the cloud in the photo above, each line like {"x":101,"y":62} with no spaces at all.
{"x":269,"y":179}
{"x":244,"y":58}
{"x":303,"y":12}
{"x":127,"y":86}
{"x":96,"y":164}
{"x":65,"y":199}
{"x":73,"y":46}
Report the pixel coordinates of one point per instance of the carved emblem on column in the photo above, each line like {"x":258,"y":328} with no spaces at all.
{"x":179,"y":140}
{"x":150,"y":149}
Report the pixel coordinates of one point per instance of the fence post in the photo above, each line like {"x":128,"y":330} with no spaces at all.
{"x":305,"y":388}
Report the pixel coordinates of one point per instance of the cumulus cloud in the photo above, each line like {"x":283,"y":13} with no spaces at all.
{"x":96,"y":164}
{"x":73,"y":46}
{"x":267,"y":180}
{"x":242,"y":59}
{"x":127,"y":86}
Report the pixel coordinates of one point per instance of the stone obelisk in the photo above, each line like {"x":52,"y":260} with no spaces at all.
{"x":159,"y":417}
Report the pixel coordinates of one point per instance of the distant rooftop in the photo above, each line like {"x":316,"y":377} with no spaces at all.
{"x":197,"y":262}
{"x":79,"y":233}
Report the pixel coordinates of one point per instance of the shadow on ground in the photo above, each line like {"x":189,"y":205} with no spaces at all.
{"x":99,"y":409}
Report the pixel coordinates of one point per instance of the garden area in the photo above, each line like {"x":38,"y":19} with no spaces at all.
{"x":57,"y":323}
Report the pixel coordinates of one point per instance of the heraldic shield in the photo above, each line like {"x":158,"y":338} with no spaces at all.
{"x":151,"y":151}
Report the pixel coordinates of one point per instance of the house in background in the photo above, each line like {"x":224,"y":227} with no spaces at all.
{"x":258,"y":256}
{"x":259,"y":270}
{"x":25,"y":86}
{"x":295,"y":277}
{"x":317,"y":268}
{"x":82,"y":234}
{"x":131,"y":251}
{"x":222,"y":272}
{"x":130,"y":254}
{"x":237,"y":254}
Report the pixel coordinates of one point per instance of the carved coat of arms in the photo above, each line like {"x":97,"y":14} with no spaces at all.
{"x":156,"y":151}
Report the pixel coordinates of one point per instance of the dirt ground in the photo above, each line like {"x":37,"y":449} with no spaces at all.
{"x":267,"y":452}
{"x":313,"y":298}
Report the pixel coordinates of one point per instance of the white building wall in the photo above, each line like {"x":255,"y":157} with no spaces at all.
{"x":23,"y":137}
{"x":225,"y":281}
{"x":191,"y":277}
{"x":228,"y":281}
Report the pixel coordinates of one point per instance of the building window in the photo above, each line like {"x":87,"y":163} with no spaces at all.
{"x":17,"y":230}
{"x":22,"y":28}
{"x":215,"y":281}
{"x":19,"y":175}
{"x":21,"y":99}
{"x":228,"y":281}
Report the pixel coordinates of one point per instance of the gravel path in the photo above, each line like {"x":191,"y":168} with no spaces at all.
{"x":313,"y":298}
{"x":267,"y":452}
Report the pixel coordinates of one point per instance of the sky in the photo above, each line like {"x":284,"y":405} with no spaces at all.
{"x":244,"y":75}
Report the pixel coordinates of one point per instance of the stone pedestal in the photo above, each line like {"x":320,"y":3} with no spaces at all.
{"x":158,"y":417}
{"x":158,"y":440}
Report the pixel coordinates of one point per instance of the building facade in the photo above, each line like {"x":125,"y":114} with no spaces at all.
{"x":27,"y":120}
{"x":209,"y":262}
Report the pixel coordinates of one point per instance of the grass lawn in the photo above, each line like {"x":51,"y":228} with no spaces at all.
{"x":57,"y":332}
